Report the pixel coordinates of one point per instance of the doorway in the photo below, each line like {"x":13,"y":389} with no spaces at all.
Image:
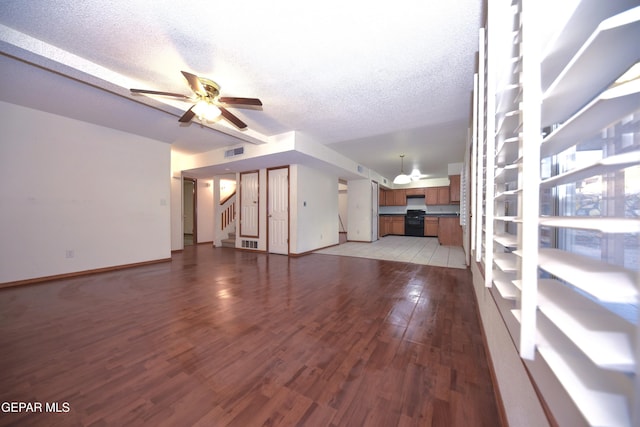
{"x":189,"y":211}
{"x":343,"y":210}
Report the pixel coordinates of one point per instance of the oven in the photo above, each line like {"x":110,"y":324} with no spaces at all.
{"x":414,"y":223}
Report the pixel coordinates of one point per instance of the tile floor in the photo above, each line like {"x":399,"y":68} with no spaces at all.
{"x":416,"y":250}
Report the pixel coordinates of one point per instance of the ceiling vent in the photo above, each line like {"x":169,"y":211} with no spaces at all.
{"x":234,"y":152}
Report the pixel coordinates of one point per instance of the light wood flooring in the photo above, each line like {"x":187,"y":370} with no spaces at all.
{"x":223,"y":337}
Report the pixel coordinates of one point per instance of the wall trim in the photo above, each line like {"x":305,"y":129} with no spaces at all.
{"x":37,"y":280}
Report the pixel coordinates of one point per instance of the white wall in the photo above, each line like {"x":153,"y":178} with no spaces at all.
{"x":313,"y":209}
{"x":177,"y":237}
{"x":78,"y":197}
{"x":226,"y":187}
{"x":359,"y":210}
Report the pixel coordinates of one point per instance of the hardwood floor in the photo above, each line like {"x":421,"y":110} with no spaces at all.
{"x":219,"y":337}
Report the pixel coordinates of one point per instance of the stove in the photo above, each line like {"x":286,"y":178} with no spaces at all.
{"x":414,"y":223}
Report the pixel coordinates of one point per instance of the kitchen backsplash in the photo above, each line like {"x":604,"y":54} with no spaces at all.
{"x":418,"y":203}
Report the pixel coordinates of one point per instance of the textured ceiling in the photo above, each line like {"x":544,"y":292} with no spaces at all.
{"x":371,"y":79}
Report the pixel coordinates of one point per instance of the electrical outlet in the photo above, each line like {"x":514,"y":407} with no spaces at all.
{"x":69,"y":253}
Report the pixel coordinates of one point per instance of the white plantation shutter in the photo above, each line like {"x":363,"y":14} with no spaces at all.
{"x":585,"y":283}
{"x":562,"y":175}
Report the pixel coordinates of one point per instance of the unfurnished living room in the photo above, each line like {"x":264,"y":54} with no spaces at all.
{"x":319,"y":213}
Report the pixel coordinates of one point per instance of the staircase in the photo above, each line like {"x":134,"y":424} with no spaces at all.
{"x":228,"y":221}
{"x":229,"y":242}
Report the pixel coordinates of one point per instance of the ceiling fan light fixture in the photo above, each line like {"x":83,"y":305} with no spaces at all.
{"x":402,"y":178}
{"x":415,"y":174}
{"x":206,"y":111}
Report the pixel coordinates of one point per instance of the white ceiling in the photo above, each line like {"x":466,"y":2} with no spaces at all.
{"x":370,"y":79}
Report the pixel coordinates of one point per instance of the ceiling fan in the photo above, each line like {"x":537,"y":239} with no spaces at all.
{"x":208,"y":104}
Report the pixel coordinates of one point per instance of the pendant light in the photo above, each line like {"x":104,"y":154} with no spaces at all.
{"x":402,"y":178}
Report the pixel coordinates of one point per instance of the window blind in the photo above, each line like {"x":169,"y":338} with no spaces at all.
{"x":560,"y":161}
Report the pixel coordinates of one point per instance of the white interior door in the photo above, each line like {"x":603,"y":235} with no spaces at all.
{"x":278,"y":211}
{"x":249,"y":191}
{"x":374,"y":211}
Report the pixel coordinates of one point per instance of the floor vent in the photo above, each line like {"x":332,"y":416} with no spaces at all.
{"x":234,"y":152}
{"x":251,"y":244}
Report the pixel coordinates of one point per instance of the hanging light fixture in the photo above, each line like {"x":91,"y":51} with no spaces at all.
{"x":402,"y":178}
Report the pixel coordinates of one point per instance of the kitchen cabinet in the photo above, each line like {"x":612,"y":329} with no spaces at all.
{"x":385,"y":198}
{"x":384,"y":225}
{"x":399,"y":198}
{"x":415,"y":192}
{"x":443,"y":195}
{"x":450,"y":231}
{"x":390,"y":224}
{"x":431,"y":226}
{"x":392,"y":198}
{"x":397,"y":225}
{"x":454,"y":189}
{"x":437,"y":195}
{"x":431,"y":195}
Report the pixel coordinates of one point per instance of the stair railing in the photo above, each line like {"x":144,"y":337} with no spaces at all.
{"x":228,"y":214}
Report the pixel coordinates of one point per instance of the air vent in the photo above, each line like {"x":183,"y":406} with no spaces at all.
{"x":234,"y":152}
{"x":251,"y":244}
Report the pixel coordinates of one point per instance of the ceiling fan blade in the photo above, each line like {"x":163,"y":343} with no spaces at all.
{"x":187,"y":116}
{"x":240,"y":101}
{"x":157,"y":92}
{"x":232,"y":118}
{"x":194,"y":83}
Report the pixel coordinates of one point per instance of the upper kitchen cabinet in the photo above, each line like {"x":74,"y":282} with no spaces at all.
{"x":443,"y":195}
{"x":382,"y":197}
{"x":454,"y":188}
{"x":437,"y":195}
{"x":392,"y":198}
{"x":399,"y":198}
{"x":416,"y":192}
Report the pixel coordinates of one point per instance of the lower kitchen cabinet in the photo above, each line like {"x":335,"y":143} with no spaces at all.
{"x":450,"y":231}
{"x":391,"y":224}
{"x":431,"y":227}
{"x":384,"y":225}
{"x":397,"y":225}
